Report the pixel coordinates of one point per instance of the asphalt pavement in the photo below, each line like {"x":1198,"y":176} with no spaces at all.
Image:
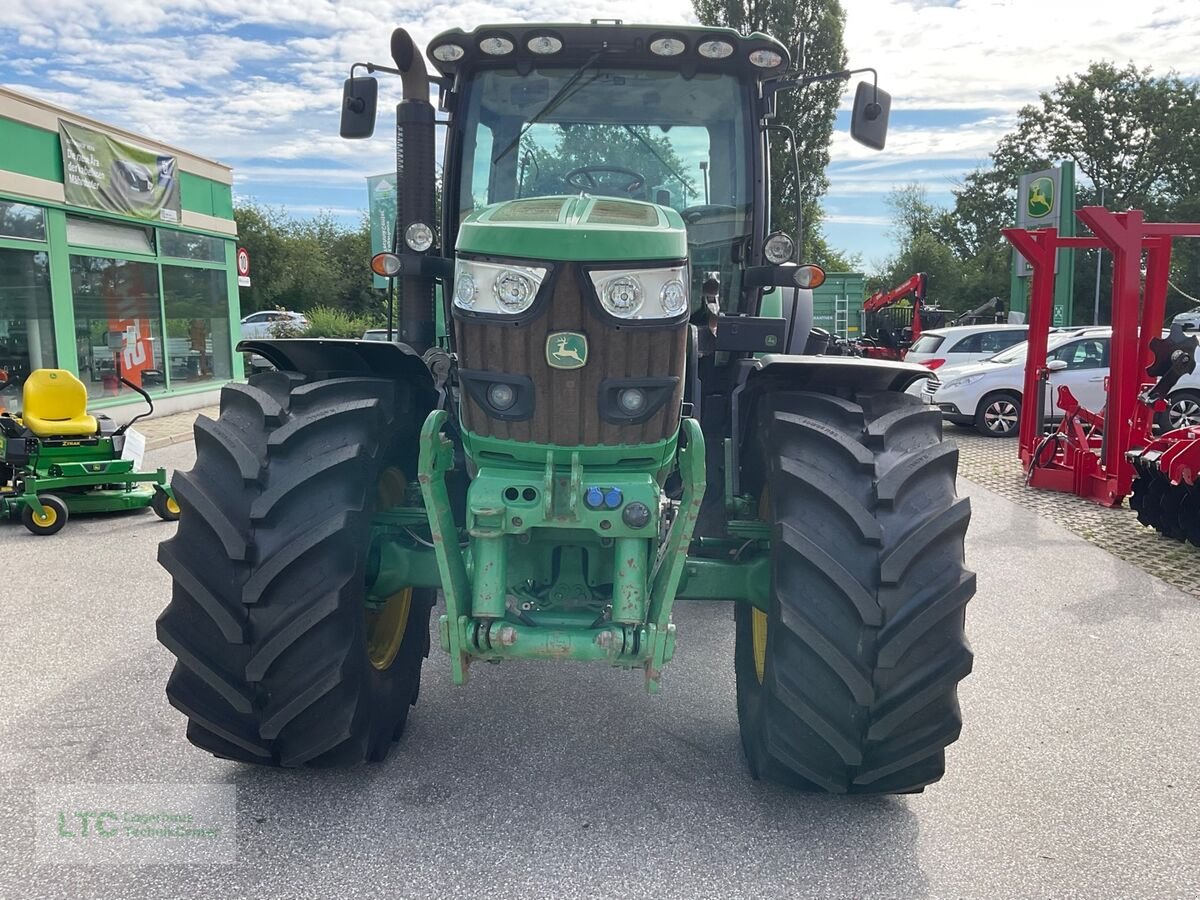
{"x":1076,"y":775}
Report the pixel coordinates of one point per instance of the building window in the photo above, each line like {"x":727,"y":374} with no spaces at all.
{"x":20,"y":220}
{"x":26,"y":321}
{"x":83,"y":232}
{"x":118,"y":329}
{"x":183,"y":245}
{"x":197,"y":305}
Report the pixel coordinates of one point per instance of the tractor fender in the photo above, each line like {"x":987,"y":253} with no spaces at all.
{"x":329,"y":358}
{"x":846,"y":376}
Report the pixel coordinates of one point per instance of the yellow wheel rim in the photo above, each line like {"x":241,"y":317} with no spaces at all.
{"x":173,"y":506}
{"x":758,"y":633}
{"x":47,"y":518}
{"x":758,"y":618}
{"x":385,"y":629}
{"x":386,"y":626}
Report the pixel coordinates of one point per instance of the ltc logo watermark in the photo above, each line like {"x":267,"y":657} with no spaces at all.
{"x":136,"y":824}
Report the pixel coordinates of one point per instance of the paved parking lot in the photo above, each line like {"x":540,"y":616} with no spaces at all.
{"x":993,"y":463}
{"x":1075,"y":775}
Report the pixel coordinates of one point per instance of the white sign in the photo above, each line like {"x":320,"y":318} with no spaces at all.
{"x":135,"y":447}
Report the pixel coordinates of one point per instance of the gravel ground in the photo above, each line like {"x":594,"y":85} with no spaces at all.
{"x":993,"y":463}
{"x":1075,"y":775}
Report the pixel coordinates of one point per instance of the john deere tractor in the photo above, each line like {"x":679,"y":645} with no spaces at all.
{"x":599,"y":405}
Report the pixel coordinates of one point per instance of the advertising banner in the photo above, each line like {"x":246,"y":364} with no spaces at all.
{"x":381,"y":195}
{"x":102,"y":172}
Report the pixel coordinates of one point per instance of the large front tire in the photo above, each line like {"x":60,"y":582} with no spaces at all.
{"x":848,"y":683}
{"x":279,"y":661}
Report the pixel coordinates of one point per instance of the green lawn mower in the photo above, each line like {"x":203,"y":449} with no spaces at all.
{"x":57,"y":461}
{"x":606,"y":399}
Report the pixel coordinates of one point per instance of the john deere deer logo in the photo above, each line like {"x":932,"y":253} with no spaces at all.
{"x":566,"y":350}
{"x":1040,"y":202}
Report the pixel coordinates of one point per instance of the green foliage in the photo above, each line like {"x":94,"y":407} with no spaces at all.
{"x":330,"y":322}
{"x":809,"y":112}
{"x":1135,"y":135}
{"x":300,"y":264}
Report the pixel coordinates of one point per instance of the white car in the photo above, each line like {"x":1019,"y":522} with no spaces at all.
{"x":1188,"y":320}
{"x":257,"y":326}
{"x":381,"y":334}
{"x":987,"y":395}
{"x":963,"y":344}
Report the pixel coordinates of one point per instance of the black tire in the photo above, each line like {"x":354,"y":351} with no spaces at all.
{"x":865,"y":640}
{"x":999,"y":415}
{"x":267,"y":614}
{"x":164,"y":507}
{"x":57,"y":515}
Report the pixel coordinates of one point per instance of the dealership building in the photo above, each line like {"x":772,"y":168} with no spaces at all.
{"x":117,"y":261}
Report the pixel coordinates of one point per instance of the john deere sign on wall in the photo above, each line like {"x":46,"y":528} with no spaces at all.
{"x":1046,"y":199}
{"x":101,"y":172}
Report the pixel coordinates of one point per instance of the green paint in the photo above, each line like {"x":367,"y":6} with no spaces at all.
{"x":655,"y":457}
{"x":583,"y":229}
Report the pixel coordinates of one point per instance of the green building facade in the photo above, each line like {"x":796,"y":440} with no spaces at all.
{"x":118,"y":263}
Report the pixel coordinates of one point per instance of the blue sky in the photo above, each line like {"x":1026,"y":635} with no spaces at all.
{"x":256,"y":83}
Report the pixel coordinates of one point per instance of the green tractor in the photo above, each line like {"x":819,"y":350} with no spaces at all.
{"x":600,"y":403}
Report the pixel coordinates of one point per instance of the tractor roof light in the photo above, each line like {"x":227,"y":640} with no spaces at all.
{"x":385,"y":265}
{"x":809,"y":276}
{"x":544,"y":44}
{"x":766,"y":59}
{"x":497,"y":45}
{"x":714,"y":49}
{"x":667,"y":46}
{"x":419,"y":237}
{"x":448,"y":53}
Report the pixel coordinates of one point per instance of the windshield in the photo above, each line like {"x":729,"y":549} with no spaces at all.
{"x":636,"y":134}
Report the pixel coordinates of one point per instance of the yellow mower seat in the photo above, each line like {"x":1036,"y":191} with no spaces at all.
{"x":54,"y":404}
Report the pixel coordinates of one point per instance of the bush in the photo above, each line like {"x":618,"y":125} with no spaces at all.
{"x":327,"y":322}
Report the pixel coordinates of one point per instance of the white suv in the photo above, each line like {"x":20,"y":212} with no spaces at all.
{"x":987,"y":395}
{"x":259,"y":325}
{"x":963,"y":344}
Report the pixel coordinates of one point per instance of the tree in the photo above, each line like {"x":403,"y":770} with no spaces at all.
{"x":810,"y":111}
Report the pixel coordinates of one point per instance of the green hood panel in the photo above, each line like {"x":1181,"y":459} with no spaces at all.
{"x":575,"y":228}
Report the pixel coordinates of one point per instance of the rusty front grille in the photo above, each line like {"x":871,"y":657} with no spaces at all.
{"x":566,"y":410}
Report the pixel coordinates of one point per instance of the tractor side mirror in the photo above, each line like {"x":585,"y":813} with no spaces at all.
{"x":1056,"y":365}
{"x":359,"y":97}
{"x":869,"y":120}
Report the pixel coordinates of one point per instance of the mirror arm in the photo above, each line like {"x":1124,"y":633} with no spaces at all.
{"x":799,"y":81}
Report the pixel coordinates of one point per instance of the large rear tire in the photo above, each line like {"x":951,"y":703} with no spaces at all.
{"x":279,"y":662}
{"x":848,"y":684}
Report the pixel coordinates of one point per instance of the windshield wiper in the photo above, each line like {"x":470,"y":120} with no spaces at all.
{"x":559,"y":96}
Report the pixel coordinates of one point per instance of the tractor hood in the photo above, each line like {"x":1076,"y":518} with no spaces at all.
{"x":575,"y":228}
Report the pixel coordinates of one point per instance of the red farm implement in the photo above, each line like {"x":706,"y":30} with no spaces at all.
{"x":890,"y":328}
{"x":1104,"y":455}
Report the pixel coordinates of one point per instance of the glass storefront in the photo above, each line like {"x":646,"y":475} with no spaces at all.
{"x":198,"y":341}
{"x":26,"y":321}
{"x":118,"y":327}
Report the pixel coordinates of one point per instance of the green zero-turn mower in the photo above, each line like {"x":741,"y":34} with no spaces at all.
{"x":599,"y":404}
{"x":57,"y":461}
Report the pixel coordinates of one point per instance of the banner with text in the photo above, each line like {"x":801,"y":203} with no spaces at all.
{"x":381,"y":197}
{"x":102,"y":172}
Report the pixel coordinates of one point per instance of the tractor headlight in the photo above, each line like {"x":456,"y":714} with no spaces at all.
{"x":642,"y":293}
{"x":498,"y":289}
{"x":622,"y":296}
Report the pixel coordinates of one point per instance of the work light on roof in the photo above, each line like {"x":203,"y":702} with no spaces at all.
{"x":715,"y":49}
{"x":496,"y":46}
{"x":667,"y":46}
{"x":448,"y":53}
{"x":766,"y":59}
{"x":544,"y":44}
